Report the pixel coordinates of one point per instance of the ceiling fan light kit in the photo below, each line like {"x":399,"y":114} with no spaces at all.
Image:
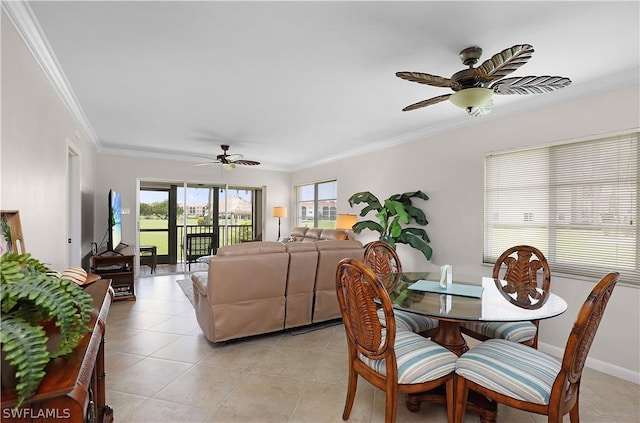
{"x":474,"y":87}
{"x":471,"y":97}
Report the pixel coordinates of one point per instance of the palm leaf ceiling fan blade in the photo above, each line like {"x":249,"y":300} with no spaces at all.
{"x":473,"y":87}
{"x":505,"y":62}
{"x":530,"y":84}
{"x":246,"y":162}
{"x":232,"y":157}
{"x":425,"y":78}
{"x":428,"y":102}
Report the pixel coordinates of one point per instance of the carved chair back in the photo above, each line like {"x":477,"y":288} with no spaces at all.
{"x":360,"y":293}
{"x":521,"y":267}
{"x":383,"y":259}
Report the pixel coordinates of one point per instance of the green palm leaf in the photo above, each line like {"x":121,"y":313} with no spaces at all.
{"x":393,"y":215}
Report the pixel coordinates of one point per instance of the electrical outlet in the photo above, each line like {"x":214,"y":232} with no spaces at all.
{"x":125,"y":211}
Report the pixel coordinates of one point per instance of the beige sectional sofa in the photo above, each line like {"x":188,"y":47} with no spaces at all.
{"x":260,"y":287}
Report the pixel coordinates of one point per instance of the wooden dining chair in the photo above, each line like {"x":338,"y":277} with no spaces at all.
{"x":525,"y":378}
{"x":383,"y":259}
{"x":521,"y":267}
{"x":395,"y":361}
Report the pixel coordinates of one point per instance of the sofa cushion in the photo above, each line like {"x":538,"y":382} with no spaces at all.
{"x":296,"y":247}
{"x":251,"y":248}
{"x":329,"y":255}
{"x":298,"y":233}
{"x":303,"y":261}
{"x":313,"y":234}
{"x":333,"y":234}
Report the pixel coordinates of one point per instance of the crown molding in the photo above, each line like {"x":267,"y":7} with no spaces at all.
{"x":21,"y":16}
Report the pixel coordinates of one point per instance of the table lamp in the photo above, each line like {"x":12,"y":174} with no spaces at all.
{"x":279,"y":212}
{"x":346,"y":222}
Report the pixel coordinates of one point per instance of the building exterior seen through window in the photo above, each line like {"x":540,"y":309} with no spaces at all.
{"x":316,"y":204}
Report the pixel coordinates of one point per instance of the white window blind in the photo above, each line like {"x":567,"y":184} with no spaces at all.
{"x":577,"y":203}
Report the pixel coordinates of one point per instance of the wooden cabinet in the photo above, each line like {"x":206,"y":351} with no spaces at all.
{"x":119,"y":267}
{"x":73,"y":388}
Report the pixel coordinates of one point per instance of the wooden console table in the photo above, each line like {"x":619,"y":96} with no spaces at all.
{"x":73,"y":389}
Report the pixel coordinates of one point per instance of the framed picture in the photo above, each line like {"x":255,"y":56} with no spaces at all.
{"x":11,"y":235}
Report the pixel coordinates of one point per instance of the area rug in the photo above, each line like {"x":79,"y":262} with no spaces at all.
{"x":187,"y":288}
{"x":313,"y":327}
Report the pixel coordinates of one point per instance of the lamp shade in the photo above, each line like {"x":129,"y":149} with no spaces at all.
{"x":346,"y":221}
{"x":280,"y":211}
{"x":471,"y":97}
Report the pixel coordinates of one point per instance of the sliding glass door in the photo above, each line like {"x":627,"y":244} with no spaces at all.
{"x":186,"y":220}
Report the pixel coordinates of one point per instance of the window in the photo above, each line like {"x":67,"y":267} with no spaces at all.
{"x":577,"y":203}
{"x":317,"y":204}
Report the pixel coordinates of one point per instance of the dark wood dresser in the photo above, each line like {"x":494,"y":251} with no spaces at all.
{"x":73,"y":390}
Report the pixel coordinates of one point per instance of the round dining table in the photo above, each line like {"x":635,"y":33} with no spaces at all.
{"x":468,"y":299}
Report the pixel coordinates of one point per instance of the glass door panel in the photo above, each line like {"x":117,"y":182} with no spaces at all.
{"x":154,"y":221}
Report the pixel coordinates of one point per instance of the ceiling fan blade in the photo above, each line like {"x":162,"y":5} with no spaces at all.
{"x":246,"y":162}
{"x":503,"y":63}
{"x":425,"y":78}
{"x":530,"y":85}
{"x":483,"y":110}
{"x":233,"y":157}
{"x":425,"y":103}
{"x":206,"y":161}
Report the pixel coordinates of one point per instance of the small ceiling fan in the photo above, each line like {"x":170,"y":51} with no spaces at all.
{"x":229,"y":161}
{"x":474,"y":87}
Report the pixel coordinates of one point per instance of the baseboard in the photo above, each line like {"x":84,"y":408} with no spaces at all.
{"x":595,"y":364}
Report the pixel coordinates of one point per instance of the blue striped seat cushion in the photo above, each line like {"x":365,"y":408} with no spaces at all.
{"x":419,"y":359}
{"x":410,"y":321}
{"x":511,"y":331}
{"x":511,"y":369}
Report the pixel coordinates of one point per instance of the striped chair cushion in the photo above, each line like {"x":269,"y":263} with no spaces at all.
{"x":511,"y":331}
{"x":419,"y":359}
{"x":511,"y":369}
{"x":410,"y":321}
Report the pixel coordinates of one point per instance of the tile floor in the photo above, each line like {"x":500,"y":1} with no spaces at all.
{"x":161,"y":369}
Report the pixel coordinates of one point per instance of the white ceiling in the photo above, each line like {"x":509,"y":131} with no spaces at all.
{"x":298,"y":82}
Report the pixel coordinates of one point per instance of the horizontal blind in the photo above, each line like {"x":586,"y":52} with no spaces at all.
{"x":577,"y":203}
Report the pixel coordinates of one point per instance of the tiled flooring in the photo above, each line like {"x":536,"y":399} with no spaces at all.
{"x":161,"y":369}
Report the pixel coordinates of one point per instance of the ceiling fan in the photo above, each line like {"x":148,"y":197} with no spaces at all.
{"x":229,"y":161}
{"x":474,"y":87}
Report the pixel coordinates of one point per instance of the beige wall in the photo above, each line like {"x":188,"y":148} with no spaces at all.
{"x":36,"y":133}
{"x":449,"y":167}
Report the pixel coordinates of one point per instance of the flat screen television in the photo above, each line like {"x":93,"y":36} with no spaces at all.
{"x":115,"y":221}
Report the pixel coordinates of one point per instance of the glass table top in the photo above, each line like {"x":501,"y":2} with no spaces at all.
{"x":494,"y":304}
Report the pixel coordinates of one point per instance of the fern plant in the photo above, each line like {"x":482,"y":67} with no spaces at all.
{"x":393,"y":215}
{"x":31,"y":295}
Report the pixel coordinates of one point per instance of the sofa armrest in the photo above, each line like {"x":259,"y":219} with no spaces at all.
{"x":199,"y":280}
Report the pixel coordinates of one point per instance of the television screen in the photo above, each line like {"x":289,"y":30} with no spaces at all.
{"x":115,"y":221}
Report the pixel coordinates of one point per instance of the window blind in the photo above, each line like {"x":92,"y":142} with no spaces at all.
{"x":577,"y":203}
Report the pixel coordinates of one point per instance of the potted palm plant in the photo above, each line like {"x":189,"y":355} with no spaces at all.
{"x":35,"y":303}
{"x":393,"y":215}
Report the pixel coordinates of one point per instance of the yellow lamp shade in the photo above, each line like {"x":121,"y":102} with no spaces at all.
{"x":280,"y":211}
{"x":346,"y":221}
